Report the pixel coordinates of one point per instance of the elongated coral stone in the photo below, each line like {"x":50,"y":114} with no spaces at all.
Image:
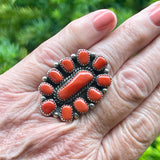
{"x":66,"y":112}
{"x":83,"y":57}
{"x":104,"y":80}
{"x":46,"y":88}
{"x":81,"y":79}
{"x":48,"y":107}
{"x":99,"y":63}
{"x":94,"y":94}
{"x":55,"y":75}
{"x":80,"y":105}
{"x":67,"y":64}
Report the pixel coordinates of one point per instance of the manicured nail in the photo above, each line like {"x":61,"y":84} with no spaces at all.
{"x":103,"y":20}
{"x":155,"y":16}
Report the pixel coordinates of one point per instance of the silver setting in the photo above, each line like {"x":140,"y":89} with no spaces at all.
{"x":76,"y":115}
{"x":67,"y":77}
{"x":91,"y":105}
{"x":56,"y":64}
{"x":73,"y":56}
{"x":55,"y":114}
{"x":92,"y":55}
{"x":104,"y":90}
{"x":44,"y":78}
{"x":106,"y":70}
{"x":43,"y":98}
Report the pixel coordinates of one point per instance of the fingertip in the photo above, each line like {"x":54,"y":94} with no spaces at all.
{"x":104,"y":19}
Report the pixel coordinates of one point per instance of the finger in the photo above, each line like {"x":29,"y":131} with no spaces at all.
{"x":134,"y":82}
{"x":131,"y":138}
{"x":81,"y":33}
{"x":132,"y":36}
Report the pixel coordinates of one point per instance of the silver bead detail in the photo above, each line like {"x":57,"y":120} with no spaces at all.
{"x":106,"y":70}
{"x":92,"y":55}
{"x":56,"y":114}
{"x":44,"y":78}
{"x":91,"y":105}
{"x":76,"y":115}
{"x":43,"y":98}
{"x":73,"y":56}
{"x":56,"y":64}
{"x":104,"y":90}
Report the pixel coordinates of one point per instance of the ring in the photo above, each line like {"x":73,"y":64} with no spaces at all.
{"x":74,"y":85}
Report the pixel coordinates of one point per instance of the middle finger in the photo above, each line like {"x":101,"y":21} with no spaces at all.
{"x":133,"y":35}
{"x":119,"y":46}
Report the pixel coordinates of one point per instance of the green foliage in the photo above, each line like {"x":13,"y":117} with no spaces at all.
{"x":24,"y":24}
{"x":153,"y":152}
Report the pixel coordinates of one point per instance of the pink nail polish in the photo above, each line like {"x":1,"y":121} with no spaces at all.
{"x":103,"y":20}
{"x":155,"y":16}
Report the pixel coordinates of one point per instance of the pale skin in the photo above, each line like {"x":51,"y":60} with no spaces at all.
{"x":122,"y":125}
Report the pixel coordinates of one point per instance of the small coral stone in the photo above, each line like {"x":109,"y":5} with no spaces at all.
{"x":81,"y":79}
{"x":66,"y":112}
{"x":55,"y":75}
{"x":67,"y":64}
{"x":104,"y":80}
{"x":80,"y":105}
{"x":94,"y":94}
{"x":46,"y":88}
{"x":83,"y":57}
{"x":99,"y":63}
{"x":48,"y":107}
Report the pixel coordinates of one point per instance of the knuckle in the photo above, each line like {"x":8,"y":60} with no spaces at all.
{"x":143,"y":130}
{"x":73,"y":26}
{"x":133,"y":34}
{"x":131,"y":85}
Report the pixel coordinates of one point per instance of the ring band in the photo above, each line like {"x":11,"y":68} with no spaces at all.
{"x":74,"y":85}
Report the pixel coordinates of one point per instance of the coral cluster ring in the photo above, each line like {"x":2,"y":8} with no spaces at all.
{"x":74,"y":85}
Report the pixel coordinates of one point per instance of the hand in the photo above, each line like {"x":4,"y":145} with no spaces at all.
{"x":122,"y":125}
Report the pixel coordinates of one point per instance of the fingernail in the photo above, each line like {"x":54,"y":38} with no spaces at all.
{"x":155,"y":16}
{"x":103,"y":20}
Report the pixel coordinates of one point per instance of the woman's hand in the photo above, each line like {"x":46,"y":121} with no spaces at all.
{"x":122,"y":125}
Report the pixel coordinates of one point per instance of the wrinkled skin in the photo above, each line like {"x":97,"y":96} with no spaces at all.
{"x":121,"y":126}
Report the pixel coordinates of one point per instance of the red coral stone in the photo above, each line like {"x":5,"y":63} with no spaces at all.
{"x":99,"y":63}
{"x":55,"y":75}
{"x":67,"y":64}
{"x":48,"y":107}
{"x":81,"y":79}
{"x":46,"y":88}
{"x":94,"y":94}
{"x":83,"y":57}
{"x":80,"y":105}
{"x":66,"y":112}
{"x":104,"y":80}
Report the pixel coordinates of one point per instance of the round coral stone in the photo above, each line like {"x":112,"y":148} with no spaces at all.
{"x":67,"y":64}
{"x":46,"y":88}
{"x":104,"y":80}
{"x":94,"y":94}
{"x":83,"y":57}
{"x":80,"y":105}
{"x":66,"y":112}
{"x":48,"y":107}
{"x":55,"y":75}
{"x":99,"y":63}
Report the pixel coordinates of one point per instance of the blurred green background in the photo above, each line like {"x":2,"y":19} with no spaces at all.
{"x":24,"y":24}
